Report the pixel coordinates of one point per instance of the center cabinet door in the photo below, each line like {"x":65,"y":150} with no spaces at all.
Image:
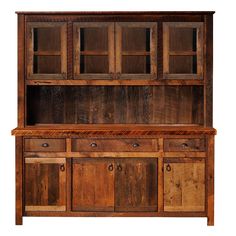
{"x":136,"y":185}
{"x":93,"y":184}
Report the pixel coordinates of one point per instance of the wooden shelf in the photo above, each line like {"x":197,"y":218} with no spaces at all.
{"x":110,"y":82}
{"x":182,"y":53}
{"x":47,"y":53}
{"x":112,"y":130}
{"x":94,"y":53}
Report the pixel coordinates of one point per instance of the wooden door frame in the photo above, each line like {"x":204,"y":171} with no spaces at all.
{"x":199,"y":50}
{"x":153,"y":49}
{"x":77,"y":52}
{"x":30,"y":51}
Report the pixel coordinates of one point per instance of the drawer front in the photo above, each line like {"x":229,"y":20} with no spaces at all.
{"x":114,"y":145}
{"x":182,"y":144}
{"x":44,"y":145}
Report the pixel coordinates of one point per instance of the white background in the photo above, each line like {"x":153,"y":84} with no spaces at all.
{"x":224,"y":121}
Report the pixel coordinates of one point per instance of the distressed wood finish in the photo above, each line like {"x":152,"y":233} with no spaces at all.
{"x":184,"y":185}
{"x":115,"y":114}
{"x":93,"y":185}
{"x":136,"y":185}
{"x":45,"y":184}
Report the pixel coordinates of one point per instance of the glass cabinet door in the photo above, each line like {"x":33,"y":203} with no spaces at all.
{"x":46,"y":51}
{"x":183,"y":50}
{"x":136,"y":49}
{"x":93,"y":50}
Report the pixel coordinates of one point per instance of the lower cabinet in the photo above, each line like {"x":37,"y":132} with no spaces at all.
{"x":184,"y":185}
{"x":103,"y":184}
{"x":45,"y":184}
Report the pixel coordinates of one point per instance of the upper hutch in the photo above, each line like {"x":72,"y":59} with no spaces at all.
{"x":115,"y":114}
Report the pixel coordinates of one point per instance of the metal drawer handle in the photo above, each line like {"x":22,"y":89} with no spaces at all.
{"x":45,"y":145}
{"x":119,"y":167}
{"x":168,"y":168}
{"x":136,"y":145}
{"x":62,"y":167}
{"x":93,"y":145}
{"x":110,"y":167}
{"x":184,"y":145}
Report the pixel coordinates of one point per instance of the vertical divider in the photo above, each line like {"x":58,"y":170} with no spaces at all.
{"x":68,"y":175}
{"x":160,"y":177}
{"x":69,"y":50}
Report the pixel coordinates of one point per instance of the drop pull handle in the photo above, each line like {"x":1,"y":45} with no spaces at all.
{"x":110,"y":167}
{"x":119,"y":167}
{"x":168,"y":168}
{"x":62,"y":167}
{"x":93,"y":145}
{"x":184,"y":145}
{"x":135,"y":145}
{"x":45,"y":145}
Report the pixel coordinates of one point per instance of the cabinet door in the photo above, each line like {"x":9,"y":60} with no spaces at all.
{"x":93,"y":50}
{"x":183,"y":50}
{"x":184,"y":185}
{"x":46,"y":50}
{"x":136,"y":185}
{"x":136,"y":50}
{"x":93,"y":184}
{"x":45,"y":184}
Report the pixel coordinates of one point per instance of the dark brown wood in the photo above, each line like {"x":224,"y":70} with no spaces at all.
{"x":114,"y":145}
{"x":210,"y":181}
{"x":44,"y":145}
{"x":180,"y":145}
{"x":45,"y":184}
{"x":136,"y":185}
{"x":115,"y":114}
{"x":21,"y":71}
{"x":208,"y":71}
{"x":19,"y":180}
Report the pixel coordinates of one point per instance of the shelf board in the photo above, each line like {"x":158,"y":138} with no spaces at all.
{"x":135,"y":53}
{"x":110,"y":82}
{"x":47,"y":53}
{"x":94,"y":53}
{"x":182,"y":53}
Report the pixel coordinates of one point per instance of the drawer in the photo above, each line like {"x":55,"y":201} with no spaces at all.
{"x":114,"y":145}
{"x":183,"y":144}
{"x":44,"y":145}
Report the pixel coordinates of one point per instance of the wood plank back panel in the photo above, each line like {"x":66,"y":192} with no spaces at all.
{"x":115,"y":104}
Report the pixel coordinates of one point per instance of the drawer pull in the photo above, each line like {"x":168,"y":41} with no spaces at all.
{"x":135,"y":145}
{"x":45,"y":145}
{"x":62,"y":167}
{"x":168,"y":168}
{"x":93,"y":145}
{"x":110,"y":167}
{"x":184,"y":145}
{"x":119,"y":167}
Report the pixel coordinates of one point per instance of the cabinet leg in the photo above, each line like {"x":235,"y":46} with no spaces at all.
{"x":210,"y":220}
{"x":19,"y":180}
{"x":19,"y":219}
{"x":210,"y":181}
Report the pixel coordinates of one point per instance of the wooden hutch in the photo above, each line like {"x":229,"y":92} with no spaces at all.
{"x":115,"y":114}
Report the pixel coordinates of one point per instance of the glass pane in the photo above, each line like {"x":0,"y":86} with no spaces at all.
{"x":136,"y":64}
{"x":183,"y":64}
{"x":183,"y":39}
{"x":47,"y":65}
{"x":47,"y":39}
{"x":94,"y":64}
{"x":94,"y":39}
{"x":135,"y":39}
